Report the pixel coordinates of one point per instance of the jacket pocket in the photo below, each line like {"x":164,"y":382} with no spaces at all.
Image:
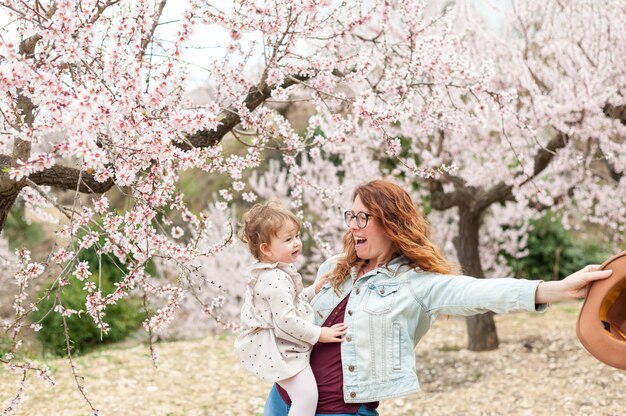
{"x":397,"y":346}
{"x":380,"y":297}
{"x":323,"y":304}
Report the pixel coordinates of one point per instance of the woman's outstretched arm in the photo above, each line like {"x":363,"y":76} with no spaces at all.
{"x":572,"y":287}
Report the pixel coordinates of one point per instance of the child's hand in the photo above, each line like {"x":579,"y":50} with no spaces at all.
{"x":320,"y":283}
{"x":333,"y":334}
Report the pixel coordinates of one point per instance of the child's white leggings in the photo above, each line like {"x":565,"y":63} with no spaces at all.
{"x":302,"y":390}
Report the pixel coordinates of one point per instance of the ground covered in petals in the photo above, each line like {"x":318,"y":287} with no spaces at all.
{"x":540,"y":369}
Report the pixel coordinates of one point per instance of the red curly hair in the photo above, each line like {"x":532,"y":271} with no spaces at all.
{"x":403,"y":224}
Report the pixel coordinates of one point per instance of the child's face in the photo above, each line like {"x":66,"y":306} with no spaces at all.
{"x":285,"y":247}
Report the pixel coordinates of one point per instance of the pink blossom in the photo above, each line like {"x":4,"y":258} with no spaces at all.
{"x":177,"y":232}
{"x":101,"y":205}
{"x":61,"y":256}
{"x":249,"y":196}
{"x":82,"y":270}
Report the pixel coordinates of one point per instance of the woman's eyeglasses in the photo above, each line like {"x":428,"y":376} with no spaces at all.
{"x":361,"y":218}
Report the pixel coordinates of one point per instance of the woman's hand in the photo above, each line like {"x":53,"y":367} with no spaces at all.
{"x":333,"y":333}
{"x":572,"y":287}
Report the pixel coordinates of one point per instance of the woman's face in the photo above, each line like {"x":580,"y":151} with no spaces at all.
{"x":370,"y":242}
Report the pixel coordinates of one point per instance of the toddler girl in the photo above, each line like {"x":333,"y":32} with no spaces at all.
{"x":276,"y":316}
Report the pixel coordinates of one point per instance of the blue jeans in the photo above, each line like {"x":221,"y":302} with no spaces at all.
{"x":276,"y":406}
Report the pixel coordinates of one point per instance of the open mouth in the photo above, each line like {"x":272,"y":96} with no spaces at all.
{"x":295,"y":253}
{"x":359,"y":241}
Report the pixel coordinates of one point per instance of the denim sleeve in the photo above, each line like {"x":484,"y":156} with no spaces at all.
{"x":326,"y":267}
{"x":464,"y":295}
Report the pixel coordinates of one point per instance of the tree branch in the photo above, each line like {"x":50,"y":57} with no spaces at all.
{"x":500,"y":192}
{"x":544,"y":155}
{"x":478,"y":200}
{"x":27,"y":46}
{"x":617,"y":176}
{"x":157,"y":16}
{"x":64,"y":177}
{"x":441,"y":200}
{"x":616,"y":111}
{"x":542,"y":207}
{"x":100,"y":9}
{"x":67,"y":178}
{"x":255,"y":97}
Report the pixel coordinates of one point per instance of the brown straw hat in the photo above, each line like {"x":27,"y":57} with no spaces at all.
{"x":601,"y":326}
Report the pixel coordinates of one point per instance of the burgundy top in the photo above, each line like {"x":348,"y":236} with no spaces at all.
{"x":327,"y":368}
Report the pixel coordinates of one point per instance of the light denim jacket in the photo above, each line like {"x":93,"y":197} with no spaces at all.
{"x":389,"y":311}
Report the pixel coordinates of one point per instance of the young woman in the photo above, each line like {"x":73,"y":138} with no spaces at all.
{"x":388,"y":286}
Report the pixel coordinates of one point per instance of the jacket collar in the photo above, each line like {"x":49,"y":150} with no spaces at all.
{"x":391,"y":269}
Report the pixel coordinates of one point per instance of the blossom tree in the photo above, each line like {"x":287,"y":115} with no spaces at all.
{"x":558,"y":144}
{"x":542,"y":129}
{"x":93,"y":101}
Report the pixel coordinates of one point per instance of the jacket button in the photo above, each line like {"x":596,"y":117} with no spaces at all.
{"x":349,"y":312}
{"x":382,"y":290}
{"x":358,"y":291}
{"x":352,"y":394}
{"x":351,"y":367}
{"x":348,"y":338}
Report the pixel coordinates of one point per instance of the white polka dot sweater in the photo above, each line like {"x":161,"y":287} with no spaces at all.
{"x":278,"y":322}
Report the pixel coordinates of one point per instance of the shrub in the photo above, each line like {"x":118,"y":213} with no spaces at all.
{"x":18,"y":231}
{"x":554,"y":251}
{"x":5,"y":344}
{"x":123,"y":317}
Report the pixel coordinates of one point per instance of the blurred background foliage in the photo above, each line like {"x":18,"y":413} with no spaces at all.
{"x":554,"y":252}
{"x":123,"y":317}
{"x":19,"y":231}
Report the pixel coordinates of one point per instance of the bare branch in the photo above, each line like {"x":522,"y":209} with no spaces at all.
{"x":77,"y":378}
{"x":63,"y":210}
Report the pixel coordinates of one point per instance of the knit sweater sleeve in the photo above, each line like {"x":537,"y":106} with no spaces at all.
{"x":277,"y":289}
{"x":308,"y":293}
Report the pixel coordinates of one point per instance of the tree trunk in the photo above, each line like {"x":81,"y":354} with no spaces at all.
{"x":7,"y":199}
{"x":481,"y":329}
{"x":482,"y":333}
